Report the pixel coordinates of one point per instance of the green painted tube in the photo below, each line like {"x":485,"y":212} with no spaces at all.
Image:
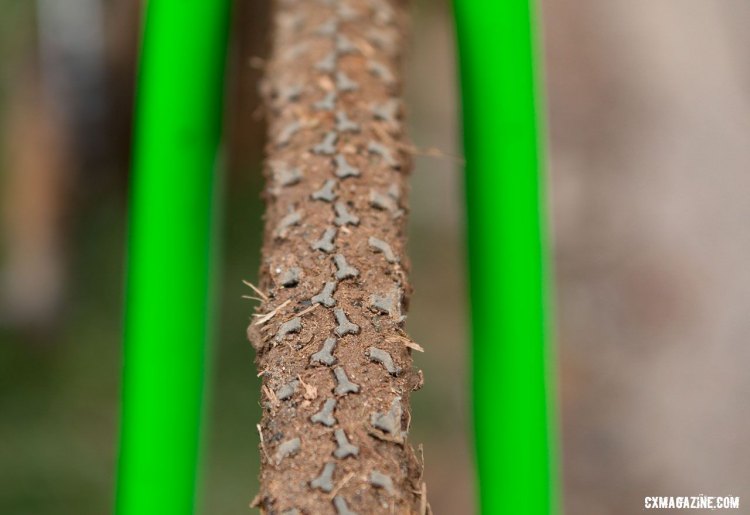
{"x":177,"y":133}
{"x":513,"y":380}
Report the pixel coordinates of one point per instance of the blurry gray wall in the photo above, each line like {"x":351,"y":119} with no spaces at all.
{"x":650,"y":152}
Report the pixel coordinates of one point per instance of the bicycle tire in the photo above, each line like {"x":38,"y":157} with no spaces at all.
{"x":329,"y":335}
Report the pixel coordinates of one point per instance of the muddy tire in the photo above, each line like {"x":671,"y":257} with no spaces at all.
{"x":335,"y":361}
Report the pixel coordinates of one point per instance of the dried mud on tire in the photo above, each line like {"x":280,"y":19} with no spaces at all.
{"x":335,"y":361}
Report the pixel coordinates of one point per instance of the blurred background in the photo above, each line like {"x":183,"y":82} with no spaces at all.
{"x":649,"y":152}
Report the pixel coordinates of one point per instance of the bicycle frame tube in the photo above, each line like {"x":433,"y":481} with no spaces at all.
{"x":514,"y":420}
{"x":178,"y":122}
